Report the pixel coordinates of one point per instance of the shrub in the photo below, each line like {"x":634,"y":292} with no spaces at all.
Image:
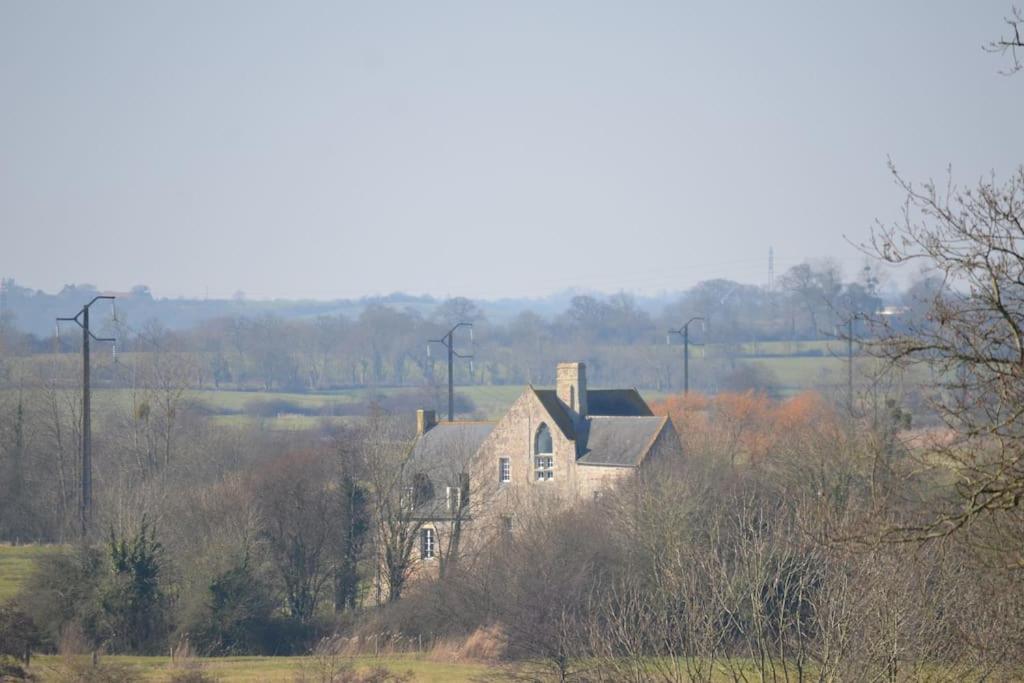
{"x":12,"y":670}
{"x":134,"y":606}
{"x":61,"y":597}
{"x":239,"y":618}
{"x":18,"y":633}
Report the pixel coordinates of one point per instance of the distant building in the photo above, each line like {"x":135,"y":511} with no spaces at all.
{"x":552,"y":447}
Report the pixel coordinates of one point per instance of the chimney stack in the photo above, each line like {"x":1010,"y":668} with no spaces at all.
{"x":571,"y":388}
{"x":425,"y":419}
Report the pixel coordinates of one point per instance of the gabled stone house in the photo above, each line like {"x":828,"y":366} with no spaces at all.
{"x":553,"y":447}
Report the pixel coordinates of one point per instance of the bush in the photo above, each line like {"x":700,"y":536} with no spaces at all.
{"x":239,"y":618}
{"x":328,"y":663}
{"x":18,"y":633}
{"x":12,"y":670}
{"x":61,"y":596}
{"x":134,"y":607}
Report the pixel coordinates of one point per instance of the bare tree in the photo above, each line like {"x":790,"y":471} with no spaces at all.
{"x":387,"y":452}
{"x":1010,"y":42}
{"x":299,"y":510}
{"x":462,"y":502}
{"x":972,"y":341}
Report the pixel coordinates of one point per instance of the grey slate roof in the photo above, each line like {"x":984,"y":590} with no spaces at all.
{"x":619,"y":402}
{"x":556,"y":409}
{"x":619,"y":441}
{"x":449,"y":445}
{"x":441,"y":454}
{"x":618,"y":431}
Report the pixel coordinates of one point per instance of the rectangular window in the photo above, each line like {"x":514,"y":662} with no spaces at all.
{"x":506,"y":524}
{"x":427,"y":544}
{"x":453,"y":499}
{"x":504,"y":471}
{"x":544,"y":466}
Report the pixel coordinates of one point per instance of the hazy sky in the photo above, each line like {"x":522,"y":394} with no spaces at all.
{"x":300,"y":149}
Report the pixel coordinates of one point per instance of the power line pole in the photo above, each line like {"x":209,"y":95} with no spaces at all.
{"x":82,"y":320}
{"x":684,"y":332}
{"x":448,"y":341}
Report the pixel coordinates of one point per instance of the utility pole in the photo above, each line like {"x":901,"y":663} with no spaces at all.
{"x":684,"y":332}
{"x":448,"y":341}
{"x":82,"y":320}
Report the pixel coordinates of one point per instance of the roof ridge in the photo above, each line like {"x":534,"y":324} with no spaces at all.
{"x":623,"y":417}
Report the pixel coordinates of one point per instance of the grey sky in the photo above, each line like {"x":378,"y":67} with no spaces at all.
{"x":485,"y":149}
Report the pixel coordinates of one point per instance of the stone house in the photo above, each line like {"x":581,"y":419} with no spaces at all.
{"x":552,"y":447}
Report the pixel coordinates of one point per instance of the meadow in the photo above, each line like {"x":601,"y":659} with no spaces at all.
{"x":17,"y":562}
{"x":262,"y":669}
{"x":792,"y":367}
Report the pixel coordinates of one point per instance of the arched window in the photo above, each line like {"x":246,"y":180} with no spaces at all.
{"x":543,"y":461}
{"x":572,"y":398}
{"x":542,"y":442}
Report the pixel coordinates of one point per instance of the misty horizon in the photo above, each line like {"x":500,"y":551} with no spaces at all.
{"x":343,"y":150}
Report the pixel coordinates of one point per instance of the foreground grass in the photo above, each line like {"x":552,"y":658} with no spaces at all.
{"x":17,"y":562}
{"x":270,"y":669}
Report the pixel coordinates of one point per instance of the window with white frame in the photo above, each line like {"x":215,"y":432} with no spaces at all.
{"x":544,"y":467}
{"x":504,"y":471}
{"x":427,"y":544}
{"x":543,"y":459}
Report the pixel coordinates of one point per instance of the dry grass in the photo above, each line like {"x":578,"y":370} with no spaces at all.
{"x":486,"y":644}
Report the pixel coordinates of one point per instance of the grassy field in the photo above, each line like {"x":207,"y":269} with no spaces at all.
{"x":793,"y":366}
{"x":270,"y":669}
{"x":16,"y":564}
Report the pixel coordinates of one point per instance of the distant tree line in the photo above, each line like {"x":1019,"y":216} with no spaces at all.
{"x":384,"y":344}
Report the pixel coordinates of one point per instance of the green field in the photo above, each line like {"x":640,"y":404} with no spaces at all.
{"x":489,"y":400}
{"x":16,"y":564}
{"x":421,"y":666}
{"x":791,"y":367}
{"x":271,"y":669}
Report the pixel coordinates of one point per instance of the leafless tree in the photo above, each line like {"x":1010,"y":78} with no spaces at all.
{"x":387,"y":452}
{"x":299,"y":509}
{"x":1010,"y":42}
{"x":463,"y":497}
{"x":972,"y":342}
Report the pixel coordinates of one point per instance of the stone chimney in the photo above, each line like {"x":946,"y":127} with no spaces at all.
{"x":571,"y":388}
{"x":425,"y":419}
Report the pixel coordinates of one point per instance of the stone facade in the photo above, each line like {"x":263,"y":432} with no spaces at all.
{"x":597,"y":439}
